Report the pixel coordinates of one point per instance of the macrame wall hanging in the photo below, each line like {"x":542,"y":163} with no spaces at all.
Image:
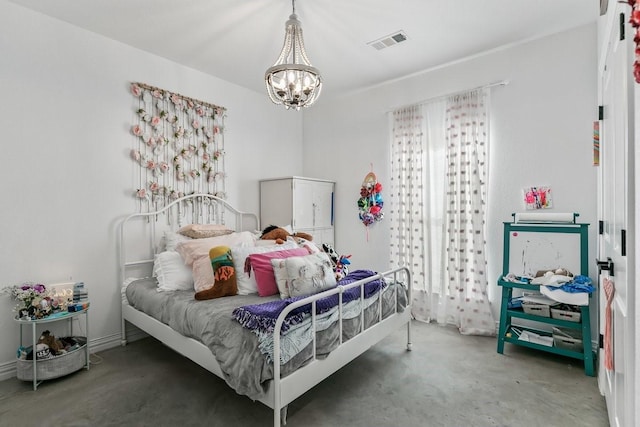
{"x":178,"y":145}
{"x":370,"y":202}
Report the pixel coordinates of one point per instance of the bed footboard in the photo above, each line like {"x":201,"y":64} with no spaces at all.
{"x":286,"y":389}
{"x":282,"y":390}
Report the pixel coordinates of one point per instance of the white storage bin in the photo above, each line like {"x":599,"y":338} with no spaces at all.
{"x":54,"y":367}
{"x":570,"y":316}
{"x":541,"y":310}
{"x":568,"y":339}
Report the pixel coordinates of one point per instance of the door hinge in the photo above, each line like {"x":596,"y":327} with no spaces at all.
{"x":600,"y":341}
{"x":600,"y":227}
{"x":623,"y":242}
{"x":601,"y":112}
{"x":622,"y":23}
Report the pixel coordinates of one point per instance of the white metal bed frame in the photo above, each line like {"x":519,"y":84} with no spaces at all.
{"x":203,"y":208}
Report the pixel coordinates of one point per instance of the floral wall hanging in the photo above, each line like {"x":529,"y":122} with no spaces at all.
{"x":370,"y":201}
{"x":178,"y":145}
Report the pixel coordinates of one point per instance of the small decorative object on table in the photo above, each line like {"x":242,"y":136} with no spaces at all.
{"x":34,"y":301}
{"x":80,"y":293}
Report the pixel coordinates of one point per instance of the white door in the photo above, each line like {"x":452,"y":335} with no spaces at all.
{"x":303,"y":204}
{"x":313,"y":203}
{"x":323,"y":202}
{"x":615,"y":210}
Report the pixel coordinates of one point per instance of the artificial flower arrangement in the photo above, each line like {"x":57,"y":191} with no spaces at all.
{"x":34,"y":301}
{"x":179,"y":146}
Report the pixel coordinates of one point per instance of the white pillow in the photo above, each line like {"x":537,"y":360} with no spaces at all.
{"x":282,"y":280}
{"x":171,"y":240}
{"x":171,"y":272}
{"x":246,"y":282}
{"x":309,"y":245}
{"x":261,"y":242}
{"x":305,"y":275}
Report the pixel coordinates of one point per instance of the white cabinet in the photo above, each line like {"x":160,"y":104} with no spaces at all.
{"x":304,"y":203}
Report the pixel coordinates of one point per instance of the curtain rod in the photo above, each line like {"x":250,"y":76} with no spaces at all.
{"x":436,"y":98}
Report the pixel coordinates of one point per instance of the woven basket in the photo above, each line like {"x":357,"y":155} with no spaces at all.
{"x":55,"y":367}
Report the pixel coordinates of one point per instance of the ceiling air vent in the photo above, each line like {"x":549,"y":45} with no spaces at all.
{"x":388,"y":41}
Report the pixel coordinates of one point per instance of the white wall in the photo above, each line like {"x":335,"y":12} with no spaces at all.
{"x":65,"y":173}
{"x":541,"y":134}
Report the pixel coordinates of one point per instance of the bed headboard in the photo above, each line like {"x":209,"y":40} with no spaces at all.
{"x":141,"y":233}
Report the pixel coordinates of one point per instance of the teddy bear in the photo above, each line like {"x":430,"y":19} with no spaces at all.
{"x":51,"y":343}
{"x":280,"y":235}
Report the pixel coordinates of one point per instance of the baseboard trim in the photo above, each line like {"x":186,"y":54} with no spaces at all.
{"x":8,"y":369}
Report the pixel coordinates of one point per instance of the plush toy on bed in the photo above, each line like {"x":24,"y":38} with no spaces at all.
{"x":280,"y":235}
{"x":340,"y":262}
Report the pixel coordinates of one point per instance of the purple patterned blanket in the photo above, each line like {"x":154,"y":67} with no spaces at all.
{"x":262,"y":317}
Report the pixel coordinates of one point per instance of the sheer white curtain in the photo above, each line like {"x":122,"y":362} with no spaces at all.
{"x":467,"y":136}
{"x":427,"y":176}
{"x":417,"y":202}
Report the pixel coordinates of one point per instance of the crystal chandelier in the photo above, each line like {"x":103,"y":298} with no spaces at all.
{"x":292,"y":81}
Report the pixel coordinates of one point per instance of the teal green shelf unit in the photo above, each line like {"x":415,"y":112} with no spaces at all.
{"x":505,"y":330}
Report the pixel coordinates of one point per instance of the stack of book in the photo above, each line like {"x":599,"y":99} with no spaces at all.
{"x":80,"y":293}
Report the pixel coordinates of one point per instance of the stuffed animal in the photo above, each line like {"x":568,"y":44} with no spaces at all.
{"x":50,"y":341}
{"x":280,"y":235}
{"x":333,"y":255}
{"x":340,"y":262}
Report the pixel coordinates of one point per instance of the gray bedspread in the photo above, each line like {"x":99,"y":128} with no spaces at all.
{"x":235,"y":348}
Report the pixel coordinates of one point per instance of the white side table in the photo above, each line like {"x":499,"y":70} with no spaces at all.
{"x":56,"y":317}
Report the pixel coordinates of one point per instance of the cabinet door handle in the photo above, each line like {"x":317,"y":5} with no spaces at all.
{"x":314,"y":214}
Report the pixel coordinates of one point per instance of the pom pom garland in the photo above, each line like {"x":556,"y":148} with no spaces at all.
{"x":370,"y":202}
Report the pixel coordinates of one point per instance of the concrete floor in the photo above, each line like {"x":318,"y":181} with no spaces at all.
{"x":447,"y":380}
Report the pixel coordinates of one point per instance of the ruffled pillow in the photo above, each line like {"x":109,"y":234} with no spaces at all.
{"x":171,"y":272}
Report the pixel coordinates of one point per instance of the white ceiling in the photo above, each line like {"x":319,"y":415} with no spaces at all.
{"x":237,"y":40}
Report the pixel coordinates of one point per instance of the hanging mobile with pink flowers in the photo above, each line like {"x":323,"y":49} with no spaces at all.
{"x":178,"y":144}
{"x":370,"y":202}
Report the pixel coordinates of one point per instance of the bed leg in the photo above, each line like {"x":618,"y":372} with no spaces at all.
{"x":409,"y":343}
{"x":123,"y":333}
